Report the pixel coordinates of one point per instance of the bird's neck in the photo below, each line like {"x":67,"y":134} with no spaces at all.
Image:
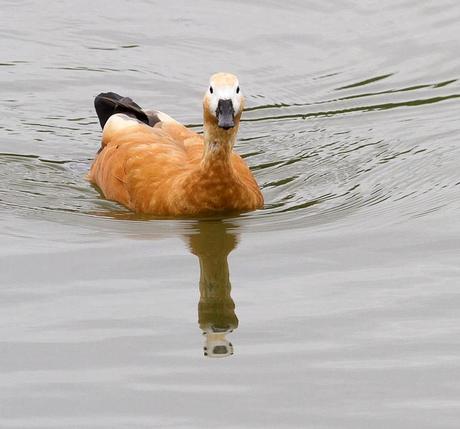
{"x":218,"y":144}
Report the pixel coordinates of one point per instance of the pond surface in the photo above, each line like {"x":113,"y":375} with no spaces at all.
{"x":336,"y":306}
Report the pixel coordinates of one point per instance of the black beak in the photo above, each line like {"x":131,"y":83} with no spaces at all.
{"x":225,"y":114}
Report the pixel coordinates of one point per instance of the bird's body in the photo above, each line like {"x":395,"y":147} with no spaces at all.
{"x":152,"y":164}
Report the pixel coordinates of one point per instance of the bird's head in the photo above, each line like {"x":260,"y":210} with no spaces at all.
{"x":223,"y":101}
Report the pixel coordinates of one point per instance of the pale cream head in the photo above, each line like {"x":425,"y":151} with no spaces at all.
{"x":224,"y":99}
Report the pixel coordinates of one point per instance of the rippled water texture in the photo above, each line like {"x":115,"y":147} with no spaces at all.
{"x":337,"y":305}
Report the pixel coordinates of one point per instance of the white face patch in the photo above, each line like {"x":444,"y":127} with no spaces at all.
{"x":224,"y":92}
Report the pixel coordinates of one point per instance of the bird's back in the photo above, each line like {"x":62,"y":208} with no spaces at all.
{"x":140,"y":166}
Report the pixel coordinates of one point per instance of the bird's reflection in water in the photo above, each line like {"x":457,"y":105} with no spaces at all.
{"x":212,"y":243}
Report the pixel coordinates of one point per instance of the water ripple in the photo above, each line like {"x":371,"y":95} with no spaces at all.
{"x":318,"y":173}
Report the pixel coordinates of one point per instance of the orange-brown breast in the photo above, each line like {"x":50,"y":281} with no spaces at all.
{"x":158,"y":170}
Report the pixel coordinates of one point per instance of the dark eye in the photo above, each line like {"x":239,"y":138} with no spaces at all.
{"x":237,"y":89}
{"x":211,"y":90}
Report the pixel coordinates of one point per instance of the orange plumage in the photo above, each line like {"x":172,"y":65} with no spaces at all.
{"x":169,"y":170}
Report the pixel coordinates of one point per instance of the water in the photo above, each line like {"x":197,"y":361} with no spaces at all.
{"x":339,"y":300}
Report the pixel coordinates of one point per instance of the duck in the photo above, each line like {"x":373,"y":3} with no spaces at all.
{"x":152,"y":164}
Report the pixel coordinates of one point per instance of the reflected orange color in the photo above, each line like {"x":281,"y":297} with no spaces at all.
{"x":212,"y":244}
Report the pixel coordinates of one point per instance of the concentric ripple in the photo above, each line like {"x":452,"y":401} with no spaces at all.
{"x":373,"y":163}
{"x":339,"y":128}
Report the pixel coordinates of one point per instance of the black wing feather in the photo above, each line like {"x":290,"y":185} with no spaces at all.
{"x":110,"y":103}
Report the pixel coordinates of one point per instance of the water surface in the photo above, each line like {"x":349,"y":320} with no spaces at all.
{"x":337,"y":305}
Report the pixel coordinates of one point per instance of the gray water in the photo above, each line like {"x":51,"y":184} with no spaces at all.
{"x":340,"y":300}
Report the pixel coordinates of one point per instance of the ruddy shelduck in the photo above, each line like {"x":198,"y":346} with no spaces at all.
{"x":151,"y":163}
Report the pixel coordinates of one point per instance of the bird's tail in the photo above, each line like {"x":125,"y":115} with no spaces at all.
{"x":109,"y":103}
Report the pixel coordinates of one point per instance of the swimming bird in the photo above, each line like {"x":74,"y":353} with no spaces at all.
{"x":151,"y":163}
